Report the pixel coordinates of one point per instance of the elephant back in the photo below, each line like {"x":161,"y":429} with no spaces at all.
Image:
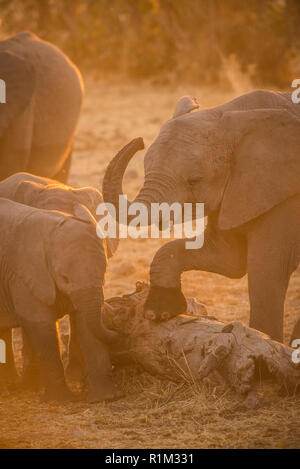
{"x":54,"y":102}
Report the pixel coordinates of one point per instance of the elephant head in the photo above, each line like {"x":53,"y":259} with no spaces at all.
{"x":238,"y":163}
{"x":60,"y":197}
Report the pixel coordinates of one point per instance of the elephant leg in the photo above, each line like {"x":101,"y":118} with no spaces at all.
{"x":98,"y":364}
{"x":224,"y":254}
{"x":44,"y":342}
{"x":75,"y":369}
{"x":30,"y":375}
{"x":15,"y":146}
{"x":8,"y":373}
{"x":38,"y":323}
{"x":63,"y":173}
{"x":267,"y":290}
{"x":271,"y":261}
{"x":12,"y":162}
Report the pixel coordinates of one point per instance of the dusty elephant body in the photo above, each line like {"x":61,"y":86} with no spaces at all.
{"x":53,"y":264}
{"x":44,"y":94}
{"x":48,"y":194}
{"x":242,"y":161}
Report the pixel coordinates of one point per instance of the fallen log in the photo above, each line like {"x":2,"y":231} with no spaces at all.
{"x":194,"y":346}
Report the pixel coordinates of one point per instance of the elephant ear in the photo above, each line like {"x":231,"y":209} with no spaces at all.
{"x":91,"y":198}
{"x":266,"y":163}
{"x":17,"y":87}
{"x":29,"y":257}
{"x":185,"y":105}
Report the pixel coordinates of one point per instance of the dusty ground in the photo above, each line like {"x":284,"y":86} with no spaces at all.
{"x":155,"y":414}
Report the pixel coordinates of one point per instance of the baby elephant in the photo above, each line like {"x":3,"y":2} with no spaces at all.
{"x":49,"y":194}
{"x":52,"y":264}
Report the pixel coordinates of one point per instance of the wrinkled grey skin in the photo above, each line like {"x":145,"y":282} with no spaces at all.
{"x":242,"y":160}
{"x":53,"y":264}
{"x":48,"y":194}
{"x":44,"y":92}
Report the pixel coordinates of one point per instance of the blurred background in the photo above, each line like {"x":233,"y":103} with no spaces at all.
{"x":207,"y":42}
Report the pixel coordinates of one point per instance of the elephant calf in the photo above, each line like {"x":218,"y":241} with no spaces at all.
{"x":49,"y":194}
{"x":52,"y":264}
{"x":41,"y":192}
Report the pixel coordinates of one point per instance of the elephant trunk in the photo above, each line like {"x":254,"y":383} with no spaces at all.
{"x":113,"y":178}
{"x":88,"y":304}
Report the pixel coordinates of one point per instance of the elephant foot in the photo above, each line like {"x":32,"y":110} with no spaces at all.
{"x":107,"y":392}
{"x":59,"y":394}
{"x":164,"y":303}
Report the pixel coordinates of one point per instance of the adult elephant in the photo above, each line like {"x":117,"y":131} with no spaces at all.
{"x":44,"y":92}
{"x":242,"y":160}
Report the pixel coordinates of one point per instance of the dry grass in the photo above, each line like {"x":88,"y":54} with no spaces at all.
{"x":155,"y":413}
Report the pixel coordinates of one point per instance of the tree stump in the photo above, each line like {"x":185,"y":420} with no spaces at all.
{"x":195,"y":346}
